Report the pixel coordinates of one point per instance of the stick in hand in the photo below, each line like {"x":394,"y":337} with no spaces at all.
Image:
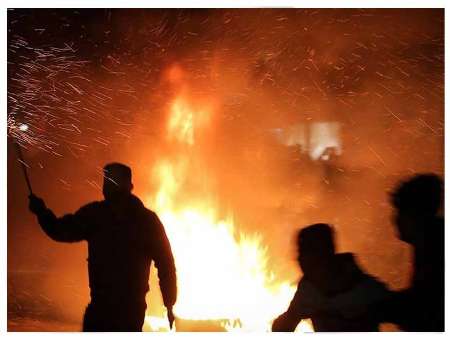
{"x":24,"y":168}
{"x":170,"y":317}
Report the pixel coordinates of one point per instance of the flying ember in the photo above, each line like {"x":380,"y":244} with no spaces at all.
{"x":23,"y":127}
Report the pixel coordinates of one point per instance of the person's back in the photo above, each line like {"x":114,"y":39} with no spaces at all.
{"x":122,"y":243}
{"x":123,"y":239}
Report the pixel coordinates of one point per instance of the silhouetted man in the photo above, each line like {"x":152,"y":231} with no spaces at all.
{"x":334,"y":292}
{"x":417,"y":202}
{"x":123,"y":239}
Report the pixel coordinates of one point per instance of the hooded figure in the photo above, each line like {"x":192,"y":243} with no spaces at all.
{"x":123,"y":239}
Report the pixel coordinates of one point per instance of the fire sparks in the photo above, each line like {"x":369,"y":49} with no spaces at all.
{"x":23,"y":127}
{"x":53,"y":96}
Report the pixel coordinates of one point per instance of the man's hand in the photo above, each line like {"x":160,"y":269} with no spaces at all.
{"x":36,"y":205}
{"x":170,"y":317}
{"x":285,"y":323}
{"x":277,"y":324}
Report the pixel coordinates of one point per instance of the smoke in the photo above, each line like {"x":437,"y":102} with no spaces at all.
{"x":376,"y":74}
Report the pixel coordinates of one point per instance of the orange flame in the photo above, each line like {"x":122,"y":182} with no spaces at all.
{"x":222,"y":274}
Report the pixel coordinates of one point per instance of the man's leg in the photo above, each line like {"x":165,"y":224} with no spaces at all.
{"x":96,"y":319}
{"x":114,"y":317}
{"x":89,"y":320}
{"x":132,"y":317}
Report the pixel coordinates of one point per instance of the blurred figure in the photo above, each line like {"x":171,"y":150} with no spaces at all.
{"x":334,"y":292}
{"x":123,"y":238}
{"x":417,"y":202}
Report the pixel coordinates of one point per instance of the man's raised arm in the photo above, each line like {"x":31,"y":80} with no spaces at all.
{"x":69,"y":228}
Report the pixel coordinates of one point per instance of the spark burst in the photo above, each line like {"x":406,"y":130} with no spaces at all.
{"x":54,"y":100}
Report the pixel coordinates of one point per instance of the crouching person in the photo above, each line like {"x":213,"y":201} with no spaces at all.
{"x":334,"y":292}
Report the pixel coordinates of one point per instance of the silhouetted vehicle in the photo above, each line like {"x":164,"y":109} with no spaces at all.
{"x":334,"y":292}
{"x":417,"y":202}
{"x":123,"y":239}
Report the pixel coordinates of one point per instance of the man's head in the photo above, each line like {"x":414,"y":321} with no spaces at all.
{"x":415,"y":201}
{"x":116,"y":181}
{"x":315,"y":245}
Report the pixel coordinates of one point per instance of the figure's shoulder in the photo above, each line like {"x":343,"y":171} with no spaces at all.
{"x":347,"y":267}
{"x":350,"y":263}
{"x":92,"y":207}
{"x":347,"y":261}
{"x":152,"y":225}
{"x":149,"y":213}
{"x":347,"y":257}
{"x":144,"y":213}
{"x":151,"y":217}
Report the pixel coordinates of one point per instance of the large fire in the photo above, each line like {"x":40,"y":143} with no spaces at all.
{"x":222,"y":273}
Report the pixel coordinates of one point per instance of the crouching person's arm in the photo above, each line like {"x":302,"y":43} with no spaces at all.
{"x":69,"y":228}
{"x":287,"y":322}
{"x":306,"y":302}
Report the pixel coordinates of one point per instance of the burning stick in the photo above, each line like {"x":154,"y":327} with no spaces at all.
{"x":23,"y":127}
